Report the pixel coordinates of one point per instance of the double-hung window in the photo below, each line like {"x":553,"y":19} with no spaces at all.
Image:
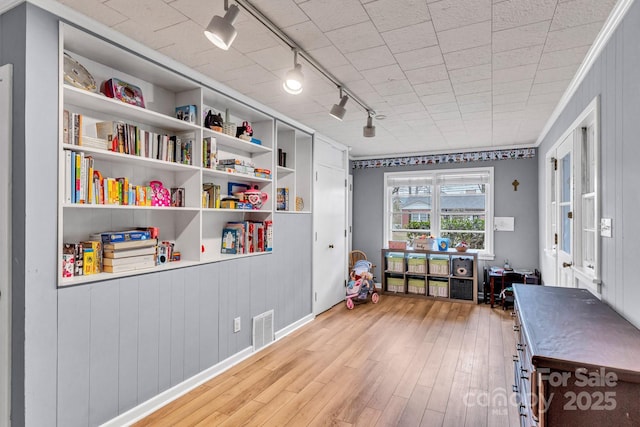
{"x":453,"y":203}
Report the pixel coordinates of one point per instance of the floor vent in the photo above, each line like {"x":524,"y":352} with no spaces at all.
{"x":263,"y":330}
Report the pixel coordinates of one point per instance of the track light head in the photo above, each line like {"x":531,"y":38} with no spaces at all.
{"x":338,"y":111}
{"x":294,"y":78}
{"x":369,"y":131}
{"x":221,"y":31}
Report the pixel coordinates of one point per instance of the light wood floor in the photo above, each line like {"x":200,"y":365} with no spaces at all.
{"x":401,"y":362}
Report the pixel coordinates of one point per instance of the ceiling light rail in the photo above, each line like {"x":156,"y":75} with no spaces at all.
{"x":268,"y":24}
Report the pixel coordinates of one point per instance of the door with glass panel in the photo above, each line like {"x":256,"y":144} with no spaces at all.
{"x":565,"y":220}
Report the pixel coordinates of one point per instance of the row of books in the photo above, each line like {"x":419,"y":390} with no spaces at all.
{"x":245,"y":237}
{"x":113,"y":252}
{"x":85,"y":185}
{"x":128,"y":138}
{"x":210,"y":195}
{"x":209,"y":153}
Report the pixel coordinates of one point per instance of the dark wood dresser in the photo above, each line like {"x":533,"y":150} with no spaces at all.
{"x":577,"y":361}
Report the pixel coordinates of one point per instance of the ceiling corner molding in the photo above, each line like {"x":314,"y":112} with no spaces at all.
{"x":613,"y":21}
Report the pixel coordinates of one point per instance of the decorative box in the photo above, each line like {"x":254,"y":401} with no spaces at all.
{"x":125,"y":92}
{"x":416,"y":286}
{"x":397,"y":244}
{"x":186,"y":113}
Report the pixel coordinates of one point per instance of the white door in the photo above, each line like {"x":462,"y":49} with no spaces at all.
{"x":330,"y":222}
{"x":5,"y":244}
{"x":565,"y":228}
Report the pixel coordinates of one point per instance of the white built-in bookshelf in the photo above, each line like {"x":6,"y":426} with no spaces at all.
{"x":195,"y":228}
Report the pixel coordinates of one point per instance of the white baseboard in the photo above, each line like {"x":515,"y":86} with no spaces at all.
{"x":147,"y":408}
{"x":292,"y":327}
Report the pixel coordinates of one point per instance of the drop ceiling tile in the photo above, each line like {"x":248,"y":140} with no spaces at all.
{"x":579,"y":12}
{"x":272,"y":58}
{"x":486,"y":114}
{"x":475,"y":108}
{"x":362,"y":87}
{"x":184,"y":56}
{"x":472,"y":87}
{"x":449,"y":115}
{"x":553,"y":87}
{"x":410,"y":37}
{"x":135,"y":31}
{"x":510,"y":98}
{"x":450,"y":124}
{"x":199,"y":11}
{"x":521,"y":72}
{"x":355,"y":37}
{"x":328,"y":56}
{"x":333,"y":14}
{"x":253,"y":73}
{"x":409,"y":108}
{"x":474,"y":35}
{"x":513,"y":58}
{"x":433,"y":88}
{"x":253,"y":37}
{"x":474,"y":98}
{"x":283,"y":13}
{"x":307,"y":35}
{"x":470,"y":74}
{"x":519,"y":37}
{"x":407,"y":98}
{"x":155,"y":14}
{"x":516,"y":13}
{"x":468,"y":57}
{"x":555,"y":74}
{"x":449,"y":14}
{"x":393,"y":87}
{"x":478,"y":125}
{"x":384,"y":74}
{"x":227,"y":59}
{"x":427,"y":74}
{"x":546,"y":99}
{"x":512,"y":107}
{"x":419,"y":58}
{"x":443,"y":108}
{"x":346,"y":73}
{"x":440,"y":98}
{"x":371,"y":58}
{"x":563,"y":57}
{"x":97,"y":10}
{"x":516,"y":86}
{"x":572,"y":37}
{"x":392,"y":14}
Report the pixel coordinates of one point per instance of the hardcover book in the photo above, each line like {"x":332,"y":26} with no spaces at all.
{"x":129,"y":244}
{"x":124,"y":236}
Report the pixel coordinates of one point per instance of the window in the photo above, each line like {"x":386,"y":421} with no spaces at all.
{"x":455,"y":204}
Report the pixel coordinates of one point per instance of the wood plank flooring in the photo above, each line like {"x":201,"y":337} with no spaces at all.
{"x":401,"y":362}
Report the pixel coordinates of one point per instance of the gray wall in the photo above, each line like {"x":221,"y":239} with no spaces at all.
{"x":615,"y":78}
{"x":83,"y":355}
{"x":121,"y":342}
{"x":519,"y":246}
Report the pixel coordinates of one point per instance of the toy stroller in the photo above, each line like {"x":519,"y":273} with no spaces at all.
{"x":361,"y":285}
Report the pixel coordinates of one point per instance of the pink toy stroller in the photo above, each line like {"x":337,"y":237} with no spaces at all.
{"x":361,"y":285}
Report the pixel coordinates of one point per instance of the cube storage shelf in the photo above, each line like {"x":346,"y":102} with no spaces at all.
{"x":195,"y":229}
{"x":452,"y":275}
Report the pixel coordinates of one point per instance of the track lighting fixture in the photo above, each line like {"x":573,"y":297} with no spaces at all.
{"x":338,"y":111}
{"x":369,"y":131}
{"x":294,"y":78}
{"x":221,"y":31}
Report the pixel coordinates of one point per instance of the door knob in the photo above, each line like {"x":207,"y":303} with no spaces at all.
{"x":331,"y":246}
{"x":567,"y":264}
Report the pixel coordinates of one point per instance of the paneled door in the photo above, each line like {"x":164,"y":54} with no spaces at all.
{"x":330,"y":224}
{"x":5,"y":244}
{"x":565,"y":228}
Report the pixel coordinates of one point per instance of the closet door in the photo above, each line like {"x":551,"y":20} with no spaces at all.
{"x":330,"y":224}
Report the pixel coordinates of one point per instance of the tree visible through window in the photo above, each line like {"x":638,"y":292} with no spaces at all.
{"x":455,"y":204}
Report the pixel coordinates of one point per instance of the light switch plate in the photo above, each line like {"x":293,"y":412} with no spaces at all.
{"x":605,"y":227}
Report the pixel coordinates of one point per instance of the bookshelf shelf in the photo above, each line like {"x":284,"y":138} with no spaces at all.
{"x":293,"y":173}
{"x":194,"y":231}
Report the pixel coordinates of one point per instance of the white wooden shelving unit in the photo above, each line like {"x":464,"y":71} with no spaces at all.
{"x":195,"y":230}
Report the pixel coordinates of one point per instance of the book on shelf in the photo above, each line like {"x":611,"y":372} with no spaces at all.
{"x":231,"y":240}
{"x":71,"y":128}
{"x":88,"y":261}
{"x":68,"y":190}
{"x":136,"y":259}
{"x":124,"y":236}
{"x":282,"y":199}
{"x":268,"y":239}
{"x":209,"y":153}
{"x":140,"y":265}
{"x":211,"y":195}
{"x":131,"y":244}
{"x":68,"y":259}
{"x":96,"y":247}
{"x":126,"y":253}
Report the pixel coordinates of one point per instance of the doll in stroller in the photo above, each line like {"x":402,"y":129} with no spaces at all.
{"x":361,"y":285}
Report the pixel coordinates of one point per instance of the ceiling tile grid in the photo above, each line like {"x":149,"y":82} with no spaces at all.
{"x":447,"y":74}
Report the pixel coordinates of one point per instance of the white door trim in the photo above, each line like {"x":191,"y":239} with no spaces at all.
{"x":6,"y":76}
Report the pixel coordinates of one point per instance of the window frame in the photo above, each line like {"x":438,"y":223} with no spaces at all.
{"x":435,"y":176}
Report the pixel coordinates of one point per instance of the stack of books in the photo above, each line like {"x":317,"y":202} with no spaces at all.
{"x":127,"y":251}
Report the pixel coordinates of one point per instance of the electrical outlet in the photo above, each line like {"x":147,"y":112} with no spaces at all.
{"x":236,"y":324}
